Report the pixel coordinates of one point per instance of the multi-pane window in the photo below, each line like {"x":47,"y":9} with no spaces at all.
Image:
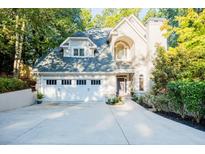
{"x":95,"y":82}
{"x":66,"y":82}
{"x":75,"y":52}
{"x":81,"y":82}
{"x":141,"y":82}
{"x":51,"y":82}
{"x":80,"y":52}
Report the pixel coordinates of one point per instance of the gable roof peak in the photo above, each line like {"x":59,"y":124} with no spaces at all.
{"x":125,"y":19}
{"x":137,"y":20}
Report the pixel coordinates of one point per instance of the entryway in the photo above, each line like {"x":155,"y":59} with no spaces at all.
{"x":122,"y":85}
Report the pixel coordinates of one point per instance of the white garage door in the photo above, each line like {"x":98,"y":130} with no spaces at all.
{"x":73,"y":90}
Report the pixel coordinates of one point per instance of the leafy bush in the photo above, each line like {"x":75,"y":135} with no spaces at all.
{"x":161,"y":102}
{"x":132,"y":92}
{"x":189,"y":96}
{"x":39,"y":95}
{"x":11,"y":84}
{"x":147,"y":99}
{"x":135,"y":97}
{"x":114,"y":100}
{"x":176,"y":97}
{"x":157,"y":102}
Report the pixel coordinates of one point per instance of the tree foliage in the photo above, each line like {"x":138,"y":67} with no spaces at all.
{"x":26,"y":34}
{"x":170,"y":14}
{"x":150,"y":13}
{"x":187,"y":59}
{"x":110,"y":17}
{"x":188,"y":97}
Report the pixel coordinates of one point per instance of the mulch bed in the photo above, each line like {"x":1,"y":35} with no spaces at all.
{"x":189,"y":121}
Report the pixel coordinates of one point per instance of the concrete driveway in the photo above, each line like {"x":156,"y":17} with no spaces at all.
{"x":92,"y":123}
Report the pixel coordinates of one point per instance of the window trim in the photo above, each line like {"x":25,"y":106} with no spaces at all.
{"x":96,"y":82}
{"x":66,"y":82}
{"x":78,"y":48}
{"x":51,"y":83}
{"x":80,"y":82}
{"x":125,"y":50}
{"x":75,"y":49}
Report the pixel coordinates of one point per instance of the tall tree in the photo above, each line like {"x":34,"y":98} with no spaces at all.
{"x":86,"y":18}
{"x":187,"y":59}
{"x":110,"y":17}
{"x":150,"y":13}
{"x":26,"y":34}
{"x":170,"y":14}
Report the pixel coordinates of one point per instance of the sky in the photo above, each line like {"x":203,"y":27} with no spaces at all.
{"x":99,"y":10}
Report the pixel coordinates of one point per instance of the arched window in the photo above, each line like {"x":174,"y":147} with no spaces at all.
{"x":141,"y":82}
{"x":121,"y":51}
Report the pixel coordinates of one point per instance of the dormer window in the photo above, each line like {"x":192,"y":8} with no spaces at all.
{"x":78,"y":52}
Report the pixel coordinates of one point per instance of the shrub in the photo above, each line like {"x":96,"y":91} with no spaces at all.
{"x":132,"y":92}
{"x":148,"y":99}
{"x":161,"y":102}
{"x":114,"y":100}
{"x":144,"y":100}
{"x":189,"y":96}
{"x":175,"y":95}
{"x":11,"y":84}
{"x":39,"y":95}
{"x":135,"y":97}
{"x":158,"y":102}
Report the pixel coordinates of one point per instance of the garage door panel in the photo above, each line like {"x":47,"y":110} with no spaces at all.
{"x":73,"y":92}
{"x":50,"y":92}
{"x":82,"y":92}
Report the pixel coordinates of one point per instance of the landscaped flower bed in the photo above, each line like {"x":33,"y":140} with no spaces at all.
{"x":115,"y":100}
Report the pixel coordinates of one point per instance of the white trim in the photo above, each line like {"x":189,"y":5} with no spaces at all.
{"x":125,"y":83}
{"x":73,"y":73}
{"x":137,"y":31}
{"x":130,"y":24}
{"x":112,"y":31}
{"x":138,"y":21}
{"x":78,"y":38}
{"x":85,"y":52}
{"x":87,"y":73}
{"x":79,"y":52}
{"x":126,"y":50}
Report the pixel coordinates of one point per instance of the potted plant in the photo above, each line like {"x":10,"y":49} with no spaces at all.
{"x":40,"y":97}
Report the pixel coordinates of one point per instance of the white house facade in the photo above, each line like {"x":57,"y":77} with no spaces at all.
{"x":91,"y":65}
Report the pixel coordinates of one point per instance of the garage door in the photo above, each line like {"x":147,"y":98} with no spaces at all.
{"x":73,"y":90}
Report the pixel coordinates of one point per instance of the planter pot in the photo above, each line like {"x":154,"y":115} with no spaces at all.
{"x":39,"y":101}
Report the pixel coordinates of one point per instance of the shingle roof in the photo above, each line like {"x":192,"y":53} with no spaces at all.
{"x":79,"y":34}
{"x":102,"y":62}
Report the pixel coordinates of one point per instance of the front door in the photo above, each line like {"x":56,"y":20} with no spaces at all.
{"x":121,"y":86}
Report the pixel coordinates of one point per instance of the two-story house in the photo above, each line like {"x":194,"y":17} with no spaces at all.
{"x":88,"y":66}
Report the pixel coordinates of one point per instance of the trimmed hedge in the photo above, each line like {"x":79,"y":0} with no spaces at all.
{"x":188,"y":97}
{"x":11,"y":84}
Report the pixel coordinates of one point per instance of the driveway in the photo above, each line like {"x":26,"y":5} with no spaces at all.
{"x":92,"y":123}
